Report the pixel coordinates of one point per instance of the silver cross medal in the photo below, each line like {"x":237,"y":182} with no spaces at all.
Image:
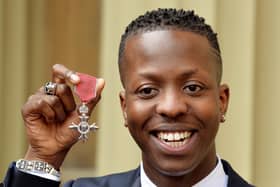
{"x":83,"y":127}
{"x":86,"y":90}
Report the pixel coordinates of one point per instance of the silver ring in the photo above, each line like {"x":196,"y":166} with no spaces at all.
{"x":50,"y":88}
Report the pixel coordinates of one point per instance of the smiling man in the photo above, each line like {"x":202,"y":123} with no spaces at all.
{"x":173,"y":102}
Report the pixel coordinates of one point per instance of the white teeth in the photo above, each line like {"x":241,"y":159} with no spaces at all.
{"x":165,"y":136}
{"x":177,"y":144}
{"x":170,"y":137}
{"x":174,"y":139}
{"x":177,"y":136}
{"x":174,"y":136}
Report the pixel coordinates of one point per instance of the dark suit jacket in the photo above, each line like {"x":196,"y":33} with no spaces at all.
{"x":15,"y":178}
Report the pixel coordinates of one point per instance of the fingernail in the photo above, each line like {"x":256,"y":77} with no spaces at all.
{"x":100,"y":80}
{"x":75,"y":78}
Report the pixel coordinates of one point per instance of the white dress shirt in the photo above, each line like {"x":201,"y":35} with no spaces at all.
{"x":217,"y":178}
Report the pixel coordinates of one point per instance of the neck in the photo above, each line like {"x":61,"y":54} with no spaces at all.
{"x":185,"y":179}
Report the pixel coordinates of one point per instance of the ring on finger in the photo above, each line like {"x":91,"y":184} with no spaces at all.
{"x":50,"y":88}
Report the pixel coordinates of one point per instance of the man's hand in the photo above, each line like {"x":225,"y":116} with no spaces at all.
{"x":47,"y":118}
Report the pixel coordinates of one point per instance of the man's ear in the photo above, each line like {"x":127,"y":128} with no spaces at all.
{"x":123,"y":105}
{"x":224,"y":99}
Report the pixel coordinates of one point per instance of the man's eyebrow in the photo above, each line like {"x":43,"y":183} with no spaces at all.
{"x":189,"y":73}
{"x":155,"y":74}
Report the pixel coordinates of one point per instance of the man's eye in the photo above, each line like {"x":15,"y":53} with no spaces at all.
{"x":193,"y":89}
{"x":147,"y":92}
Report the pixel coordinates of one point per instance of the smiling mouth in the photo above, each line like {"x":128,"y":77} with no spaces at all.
{"x":174,"y":139}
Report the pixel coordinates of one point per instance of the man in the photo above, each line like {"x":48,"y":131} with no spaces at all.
{"x":173,"y":101}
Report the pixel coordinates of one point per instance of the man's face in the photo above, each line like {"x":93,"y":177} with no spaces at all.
{"x":172,"y":101}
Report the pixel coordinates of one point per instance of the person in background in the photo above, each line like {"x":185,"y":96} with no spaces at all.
{"x":172,"y":101}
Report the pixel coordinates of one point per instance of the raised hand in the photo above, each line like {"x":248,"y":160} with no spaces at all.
{"x":47,"y":118}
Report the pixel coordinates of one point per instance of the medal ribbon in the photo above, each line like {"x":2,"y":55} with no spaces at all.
{"x":86,"y":89}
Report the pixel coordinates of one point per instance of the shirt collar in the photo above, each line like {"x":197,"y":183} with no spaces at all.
{"x":145,"y":181}
{"x":217,"y":177}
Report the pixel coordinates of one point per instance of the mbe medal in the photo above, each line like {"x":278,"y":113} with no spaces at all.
{"x":83,"y":127}
{"x":86,"y":90}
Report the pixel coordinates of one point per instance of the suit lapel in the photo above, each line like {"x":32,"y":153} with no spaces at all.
{"x":137,"y":182}
{"x":234,"y":179}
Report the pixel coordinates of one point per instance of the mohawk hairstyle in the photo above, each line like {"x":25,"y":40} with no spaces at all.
{"x":168,"y":19}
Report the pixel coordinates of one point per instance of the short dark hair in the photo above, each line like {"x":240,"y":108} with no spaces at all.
{"x":164,"y":19}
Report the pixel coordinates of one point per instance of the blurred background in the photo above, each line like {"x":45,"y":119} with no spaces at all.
{"x":84,"y":35}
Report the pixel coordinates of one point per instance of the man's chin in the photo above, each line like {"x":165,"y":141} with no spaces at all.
{"x":175,"y":172}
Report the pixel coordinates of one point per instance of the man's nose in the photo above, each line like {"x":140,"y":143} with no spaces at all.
{"x":172,"y":104}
